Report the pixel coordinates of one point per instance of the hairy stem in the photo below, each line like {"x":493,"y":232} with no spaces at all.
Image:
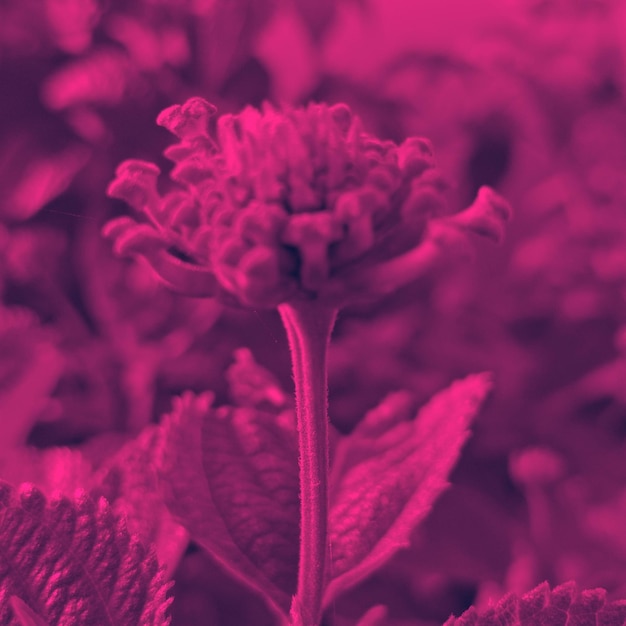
{"x":308,"y":327}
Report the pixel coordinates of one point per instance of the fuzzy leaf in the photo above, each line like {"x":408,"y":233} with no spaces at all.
{"x":561,"y":606}
{"x":230,"y":476}
{"x":72,"y":562}
{"x":389,"y":472}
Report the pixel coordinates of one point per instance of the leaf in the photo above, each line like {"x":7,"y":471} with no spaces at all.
{"x":230,"y":476}
{"x":129,"y":481}
{"x":389,"y":472}
{"x":45,"y":178}
{"x":72,"y":562}
{"x":544,"y":607}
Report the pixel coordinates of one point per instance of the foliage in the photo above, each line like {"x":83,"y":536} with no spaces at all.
{"x":526,"y":97}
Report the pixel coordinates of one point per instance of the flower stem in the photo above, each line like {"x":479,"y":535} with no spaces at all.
{"x":308,"y":326}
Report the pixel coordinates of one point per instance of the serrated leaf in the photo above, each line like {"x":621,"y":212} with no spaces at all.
{"x":73,"y":562}
{"x":561,"y":606}
{"x":389,"y":472}
{"x":230,"y":476}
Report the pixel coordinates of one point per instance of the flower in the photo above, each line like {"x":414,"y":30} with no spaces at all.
{"x":292,"y":204}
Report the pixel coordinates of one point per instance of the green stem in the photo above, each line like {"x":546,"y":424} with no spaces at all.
{"x":308,"y":327}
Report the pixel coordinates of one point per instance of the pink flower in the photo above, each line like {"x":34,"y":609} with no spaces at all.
{"x":290,"y":205}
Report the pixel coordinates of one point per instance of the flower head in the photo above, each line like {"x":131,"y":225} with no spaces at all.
{"x":279,"y":205}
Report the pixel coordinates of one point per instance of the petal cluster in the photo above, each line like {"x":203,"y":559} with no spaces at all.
{"x":275,"y":205}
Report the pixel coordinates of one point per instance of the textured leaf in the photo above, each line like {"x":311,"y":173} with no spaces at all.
{"x":561,"y":606}
{"x":230,"y":476}
{"x":72,"y":562}
{"x":389,"y":472}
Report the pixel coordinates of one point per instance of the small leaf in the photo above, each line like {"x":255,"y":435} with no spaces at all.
{"x":72,"y":562}
{"x":230,"y":476}
{"x":563,"y":605}
{"x":389,"y":472}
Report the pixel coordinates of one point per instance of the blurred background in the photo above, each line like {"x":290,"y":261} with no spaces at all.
{"x":528,"y":96}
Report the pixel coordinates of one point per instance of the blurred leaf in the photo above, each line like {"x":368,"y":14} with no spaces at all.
{"x":72,"y":562}
{"x":317,"y":16}
{"x":389,"y":472}
{"x":129,"y":481}
{"x":101,"y":78}
{"x":52,"y":470}
{"x":42,"y":180}
{"x":544,"y":607}
{"x":227,"y":33}
{"x":30,"y":366}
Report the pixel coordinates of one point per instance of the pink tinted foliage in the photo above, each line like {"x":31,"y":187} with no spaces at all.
{"x":388,"y":474}
{"x":523,"y":98}
{"x":72,"y":561}
{"x":543,"y":606}
{"x":230,"y":446}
